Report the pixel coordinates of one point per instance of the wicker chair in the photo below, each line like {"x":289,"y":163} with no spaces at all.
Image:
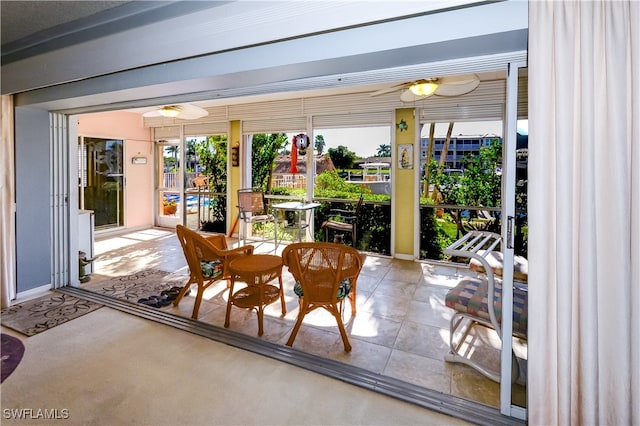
{"x":325,"y":275}
{"x":208,"y":259}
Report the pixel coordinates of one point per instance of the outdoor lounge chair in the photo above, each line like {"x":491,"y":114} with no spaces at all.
{"x":477,"y":301}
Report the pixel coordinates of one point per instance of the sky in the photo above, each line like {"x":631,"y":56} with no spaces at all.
{"x":364,"y":141}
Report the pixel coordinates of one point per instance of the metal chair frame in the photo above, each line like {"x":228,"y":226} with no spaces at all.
{"x":477,"y":245}
{"x":253,"y":209}
{"x":343,"y":220}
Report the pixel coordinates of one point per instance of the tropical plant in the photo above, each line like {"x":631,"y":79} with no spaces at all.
{"x":384,"y":150}
{"x":480,"y":185}
{"x":212,"y":158}
{"x":319,"y":144}
{"x":341,"y":157}
{"x":432,"y":237}
{"x":173,"y":151}
{"x":190,"y":155}
{"x":330,"y":180}
{"x":264,"y":149}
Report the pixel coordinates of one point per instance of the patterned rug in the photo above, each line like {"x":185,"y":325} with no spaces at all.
{"x":11,"y":351}
{"x":138,"y":286}
{"x":41,"y":314}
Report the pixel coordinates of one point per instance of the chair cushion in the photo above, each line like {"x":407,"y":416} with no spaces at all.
{"x":343,"y":290}
{"x":260,"y":218}
{"x":211,"y":268}
{"x":495,"y":260}
{"x":470,"y":297}
{"x":333,"y":224}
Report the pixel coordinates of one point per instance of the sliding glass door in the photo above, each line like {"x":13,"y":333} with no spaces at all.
{"x":169,"y":181}
{"x":101,"y":179}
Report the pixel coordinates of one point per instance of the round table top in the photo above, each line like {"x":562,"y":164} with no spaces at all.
{"x":255,"y":263}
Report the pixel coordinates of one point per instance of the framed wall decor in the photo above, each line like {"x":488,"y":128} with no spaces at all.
{"x":235,"y":156}
{"x":405,"y":156}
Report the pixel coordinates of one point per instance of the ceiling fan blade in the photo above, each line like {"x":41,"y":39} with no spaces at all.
{"x":389,"y":89}
{"x":457,"y":85}
{"x":153,"y":113}
{"x":191,"y":112}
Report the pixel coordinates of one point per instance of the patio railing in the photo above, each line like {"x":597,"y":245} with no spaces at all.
{"x":442,"y":224}
{"x":374,"y":225}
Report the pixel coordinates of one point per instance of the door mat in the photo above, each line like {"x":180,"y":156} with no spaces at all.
{"x":11,"y":352}
{"x":45,"y":312}
{"x":143,"y":285}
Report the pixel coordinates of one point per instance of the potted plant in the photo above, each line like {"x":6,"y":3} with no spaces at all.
{"x":169,"y":206}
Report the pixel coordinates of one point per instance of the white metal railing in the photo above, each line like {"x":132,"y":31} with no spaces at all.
{"x":290,"y":181}
{"x":170,"y":180}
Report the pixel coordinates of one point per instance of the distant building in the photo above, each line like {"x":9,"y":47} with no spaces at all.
{"x":459,"y":147}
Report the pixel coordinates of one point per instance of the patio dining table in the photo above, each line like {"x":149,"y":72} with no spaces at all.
{"x":300,"y":209}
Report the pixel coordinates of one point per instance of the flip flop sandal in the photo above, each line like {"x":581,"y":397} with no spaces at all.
{"x":149,"y":301}
{"x":162,"y":302}
{"x":173,"y":292}
{"x":170,"y":294}
{"x":177,"y":290}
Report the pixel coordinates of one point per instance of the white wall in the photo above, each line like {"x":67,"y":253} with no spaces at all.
{"x":139,"y":183}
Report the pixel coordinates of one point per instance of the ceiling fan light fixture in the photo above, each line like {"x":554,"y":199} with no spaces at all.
{"x":423,"y":89}
{"x":170,"y":111}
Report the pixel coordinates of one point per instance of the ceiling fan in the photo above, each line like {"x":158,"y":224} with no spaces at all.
{"x":441,"y":86}
{"x":183,"y":111}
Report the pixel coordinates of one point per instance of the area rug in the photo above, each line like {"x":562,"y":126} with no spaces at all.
{"x":41,"y":314}
{"x":11,"y":352}
{"x":143,"y":285}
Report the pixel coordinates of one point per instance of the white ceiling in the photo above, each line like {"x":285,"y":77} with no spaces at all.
{"x":364,"y":88}
{"x":22,"y":20}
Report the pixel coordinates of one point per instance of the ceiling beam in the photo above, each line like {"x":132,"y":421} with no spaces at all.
{"x":488,"y":29}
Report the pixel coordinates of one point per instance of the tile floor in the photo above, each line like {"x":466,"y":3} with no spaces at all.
{"x":401,"y":328}
{"x":160,"y":383}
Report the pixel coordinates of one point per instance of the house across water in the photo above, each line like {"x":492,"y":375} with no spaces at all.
{"x":376,"y":176}
{"x":282,"y":176}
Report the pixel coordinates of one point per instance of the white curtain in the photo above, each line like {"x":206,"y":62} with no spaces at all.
{"x":584,"y":212}
{"x":7,"y":204}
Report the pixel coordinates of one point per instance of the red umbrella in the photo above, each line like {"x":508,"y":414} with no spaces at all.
{"x":294,"y":158}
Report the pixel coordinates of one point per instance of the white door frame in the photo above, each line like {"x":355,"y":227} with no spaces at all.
{"x":508,"y":222}
{"x":161,"y":219}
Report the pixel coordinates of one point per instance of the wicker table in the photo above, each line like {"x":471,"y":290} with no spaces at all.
{"x":257,"y":271}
